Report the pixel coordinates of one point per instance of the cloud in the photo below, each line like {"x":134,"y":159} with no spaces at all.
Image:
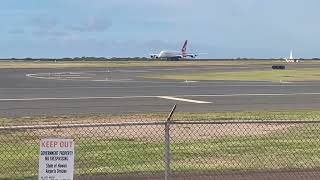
{"x":46,"y":26}
{"x":16,"y":31}
{"x":93,"y":24}
{"x":49,"y":33}
{"x":44,"y":22}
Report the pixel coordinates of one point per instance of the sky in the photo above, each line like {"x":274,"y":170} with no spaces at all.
{"x":130,"y":28}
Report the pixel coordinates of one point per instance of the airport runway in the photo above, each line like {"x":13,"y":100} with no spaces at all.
{"x":26,"y":92}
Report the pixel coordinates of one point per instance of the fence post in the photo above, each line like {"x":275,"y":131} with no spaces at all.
{"x":167,"y":158}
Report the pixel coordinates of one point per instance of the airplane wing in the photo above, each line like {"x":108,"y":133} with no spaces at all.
{"x":193,"y":55}
{"x":190,"y":55}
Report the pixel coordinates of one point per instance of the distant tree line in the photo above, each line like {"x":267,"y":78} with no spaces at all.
{"x":84,"y":58}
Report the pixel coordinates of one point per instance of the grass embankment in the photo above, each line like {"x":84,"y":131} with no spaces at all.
{"x":255,"y":115}
{"x":296,"y":146}
{"x":151,"y":63}
{"x":306,"y":74}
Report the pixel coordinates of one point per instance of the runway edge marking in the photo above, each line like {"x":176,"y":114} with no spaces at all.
{"x":183,"y":99}
{"x":163,"y":97}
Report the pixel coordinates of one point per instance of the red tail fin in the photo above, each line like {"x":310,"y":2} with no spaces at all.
{"x":184,"y":47}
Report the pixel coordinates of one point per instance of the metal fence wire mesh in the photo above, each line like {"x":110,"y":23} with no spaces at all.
{"x":213,"y":149}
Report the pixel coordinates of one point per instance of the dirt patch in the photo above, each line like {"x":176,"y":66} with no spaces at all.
{"x":155,"y":133}
{"x":225,"y":130}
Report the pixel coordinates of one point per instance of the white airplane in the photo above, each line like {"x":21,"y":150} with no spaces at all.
{"x":174,"y":55}
{"x":291,"y":59}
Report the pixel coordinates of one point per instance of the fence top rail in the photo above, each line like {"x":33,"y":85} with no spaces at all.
{"x":247,"y":122}
{"x":150,"y":123}
{"x":82,"y":125}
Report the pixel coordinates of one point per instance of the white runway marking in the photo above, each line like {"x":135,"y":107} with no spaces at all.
{"x":149,"y":86}
{"x":61,"y":75}
{"x":167,"y":97}
{"x":187,"y":81}
{"x":112,"y":80}
{"x":185,"y":100}
{"x":76,"y":98}
{"x":234,"y":95}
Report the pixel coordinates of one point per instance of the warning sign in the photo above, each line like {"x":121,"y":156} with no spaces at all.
{"x":56,"y":159}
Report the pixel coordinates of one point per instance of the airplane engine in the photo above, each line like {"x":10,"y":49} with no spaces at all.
{"x":193,"y":56}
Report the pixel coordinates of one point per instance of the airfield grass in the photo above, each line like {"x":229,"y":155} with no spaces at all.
{"x":189,"y":116}
{"x":151,"y":63}
{"x":297,"y":147}
{"x":306,"y":74}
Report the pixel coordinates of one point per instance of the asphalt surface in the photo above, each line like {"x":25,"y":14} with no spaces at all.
{"x":27,"y":92}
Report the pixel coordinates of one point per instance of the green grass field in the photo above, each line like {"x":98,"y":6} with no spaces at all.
{"x":296,"y":147}
{"x":151,"y":63}
{"x":311,"y":74}
{"x":214,"y":116}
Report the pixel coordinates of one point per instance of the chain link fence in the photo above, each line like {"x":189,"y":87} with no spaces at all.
{"x":171,"y":149}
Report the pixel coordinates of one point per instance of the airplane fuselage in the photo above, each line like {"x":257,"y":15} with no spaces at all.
{"x":291,"y":59}
{"x":170,"y":54}
{"x":174,"y":54}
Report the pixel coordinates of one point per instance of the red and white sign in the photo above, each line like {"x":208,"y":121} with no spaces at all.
{"x":56,"y":159}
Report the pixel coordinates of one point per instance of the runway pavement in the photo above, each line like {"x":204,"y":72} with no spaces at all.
{"x":26,"y":92}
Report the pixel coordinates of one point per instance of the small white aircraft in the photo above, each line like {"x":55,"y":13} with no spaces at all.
{"x":175,"y":55}
{"x":291,"y":59}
